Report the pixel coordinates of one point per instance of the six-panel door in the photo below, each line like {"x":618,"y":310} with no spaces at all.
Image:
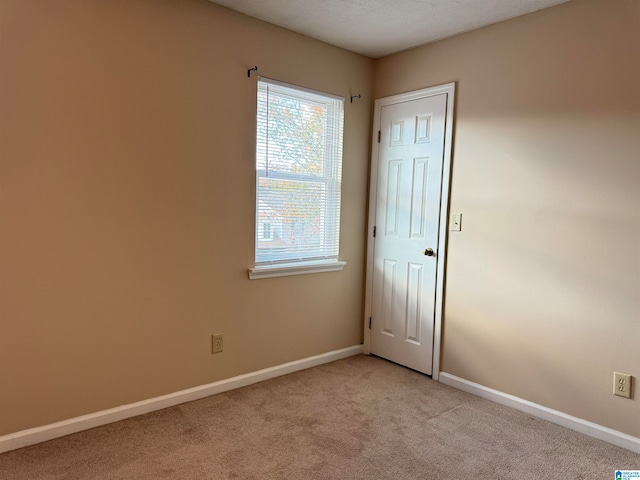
{"x":410,"y":160}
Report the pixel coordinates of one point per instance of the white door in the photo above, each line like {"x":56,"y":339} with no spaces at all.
{"x":407,"y":225}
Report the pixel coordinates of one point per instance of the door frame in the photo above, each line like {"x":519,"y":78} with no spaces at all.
{"x":449,"y":90}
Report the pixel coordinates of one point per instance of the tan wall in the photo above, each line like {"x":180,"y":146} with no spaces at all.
{"x":126,"y":224}
{"x":126,"y":204}
{"x":543,"y":282}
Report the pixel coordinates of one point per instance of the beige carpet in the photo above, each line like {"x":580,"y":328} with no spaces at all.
{"x":359,"y":418}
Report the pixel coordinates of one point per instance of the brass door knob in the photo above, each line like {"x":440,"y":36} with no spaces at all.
{"x":429,"y":252}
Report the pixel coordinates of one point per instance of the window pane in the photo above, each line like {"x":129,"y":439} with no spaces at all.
{"x":296,"y":213}
{"x":294,"y":133}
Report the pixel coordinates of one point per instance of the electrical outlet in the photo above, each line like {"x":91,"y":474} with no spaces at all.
{"x":216,"y":343}
{"x":622,"y":384}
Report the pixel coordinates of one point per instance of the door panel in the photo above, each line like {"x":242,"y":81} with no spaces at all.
{"x":410,"y":161}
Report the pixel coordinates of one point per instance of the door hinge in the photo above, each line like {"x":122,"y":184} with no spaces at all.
{"x":374,"y":231}
{"x":369,"y":323}
{"x":379,"y":133}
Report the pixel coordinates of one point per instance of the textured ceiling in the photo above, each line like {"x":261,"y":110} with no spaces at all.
{"x":376,"y":28}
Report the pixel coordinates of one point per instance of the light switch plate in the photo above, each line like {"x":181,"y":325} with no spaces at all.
{"x":456,"y":222}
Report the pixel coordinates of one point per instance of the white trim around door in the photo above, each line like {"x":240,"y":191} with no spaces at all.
{"x":449,"y":90}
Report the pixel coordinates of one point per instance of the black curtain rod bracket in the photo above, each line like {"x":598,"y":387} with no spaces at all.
{"x":251,"y":70}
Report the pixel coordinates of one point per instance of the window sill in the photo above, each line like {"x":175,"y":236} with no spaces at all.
{"x":299,"y":268}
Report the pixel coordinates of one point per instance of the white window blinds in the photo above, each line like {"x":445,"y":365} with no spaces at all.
{"x":298,"y":167}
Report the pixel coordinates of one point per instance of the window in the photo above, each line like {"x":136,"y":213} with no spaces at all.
{"x":298,"y":180}
{"x":266,"y":231}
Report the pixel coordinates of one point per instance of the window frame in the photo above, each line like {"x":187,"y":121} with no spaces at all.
{"x":292,"y":266}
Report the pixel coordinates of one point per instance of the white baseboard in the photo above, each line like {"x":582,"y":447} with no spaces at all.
{"x":574,"y":423}
{"x":32,"y":436}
